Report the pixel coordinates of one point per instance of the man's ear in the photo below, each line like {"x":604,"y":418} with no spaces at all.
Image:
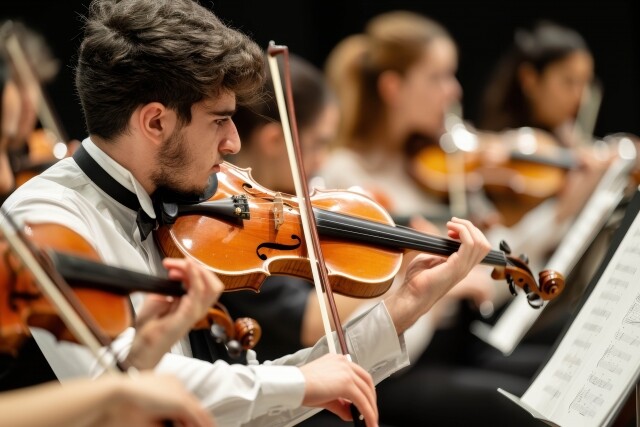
{"x":156,"y":122}
{"x":269,"y":140}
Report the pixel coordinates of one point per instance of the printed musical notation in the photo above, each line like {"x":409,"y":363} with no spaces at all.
{"x":586,"y":403}
{"x":598,"y":360}
{"x":633,"y":315}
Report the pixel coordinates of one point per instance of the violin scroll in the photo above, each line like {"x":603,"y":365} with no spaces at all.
{"x":243,"y":334}
{"x":517,"y":273}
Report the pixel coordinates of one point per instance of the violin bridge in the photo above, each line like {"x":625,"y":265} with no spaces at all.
{"x":278,"y":210}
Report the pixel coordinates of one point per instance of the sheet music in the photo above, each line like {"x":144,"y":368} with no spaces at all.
{"x":518,"y":317}
{"x":598,"y":360}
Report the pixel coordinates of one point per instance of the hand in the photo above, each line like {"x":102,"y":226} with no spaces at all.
{"x":163,"y":320}
{"x":109,"y":401}
{"x":333,"y":382}
{"x":148,"y":399}
{"x":428,"y":278}
{"x":478,"y":287}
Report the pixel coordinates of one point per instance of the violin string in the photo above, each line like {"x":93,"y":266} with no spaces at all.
{"x":418,"y":239}
{"x":432,"y":243}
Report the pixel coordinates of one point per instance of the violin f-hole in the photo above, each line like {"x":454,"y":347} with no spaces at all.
{"x":278,"y":246}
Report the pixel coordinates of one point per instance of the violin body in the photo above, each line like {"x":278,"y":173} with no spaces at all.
{"x":23,"y":305}
{"x":102,"y":291}
{"x":244,"y":253}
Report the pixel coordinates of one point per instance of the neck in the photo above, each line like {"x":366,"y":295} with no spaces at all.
{"x":126,"y":152}
{"x":389,"y":138}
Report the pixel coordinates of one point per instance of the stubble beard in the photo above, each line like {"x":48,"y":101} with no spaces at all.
{"x":173,"y":161}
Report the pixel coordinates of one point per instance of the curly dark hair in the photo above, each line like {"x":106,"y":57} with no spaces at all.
{"x":175,"y":52}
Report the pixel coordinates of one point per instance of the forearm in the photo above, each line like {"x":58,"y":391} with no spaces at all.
{"x":78,"y":403}
{"x":236,"y":394}
{"x":402,"y":310}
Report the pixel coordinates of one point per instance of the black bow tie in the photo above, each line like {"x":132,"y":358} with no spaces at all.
{"x":165,"y":202}
{"x":146,"y":224}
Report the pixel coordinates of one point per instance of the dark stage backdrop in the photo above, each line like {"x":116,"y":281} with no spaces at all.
{"x":311,"y":28}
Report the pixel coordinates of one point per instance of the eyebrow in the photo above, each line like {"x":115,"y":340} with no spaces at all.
{"x":226,"y":112}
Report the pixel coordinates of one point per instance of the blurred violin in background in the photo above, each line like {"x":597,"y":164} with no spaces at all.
{"x":517,"y":169}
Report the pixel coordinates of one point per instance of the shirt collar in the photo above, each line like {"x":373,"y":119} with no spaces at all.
{"x":120,"y":174}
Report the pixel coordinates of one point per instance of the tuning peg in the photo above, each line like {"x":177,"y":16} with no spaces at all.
{"x":234,"y":349}
{"x":504,"y":247}
{"x":534,"y":300}
{"x":512,"y":287}
{"x":524,"y":258}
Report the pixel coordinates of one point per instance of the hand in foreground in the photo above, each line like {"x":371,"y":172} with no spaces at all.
{"x":163,"y":320}
{"x":108,"y":401}
{"x":333,"y":382}
{"x":149,"y":399}
{"x":428,"y":278}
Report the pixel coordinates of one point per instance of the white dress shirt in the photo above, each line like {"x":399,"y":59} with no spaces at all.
{"x":266,"y":394}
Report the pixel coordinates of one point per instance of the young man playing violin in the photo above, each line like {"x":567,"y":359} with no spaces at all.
{"x":143,"y":399}
{"x":159,"y":81}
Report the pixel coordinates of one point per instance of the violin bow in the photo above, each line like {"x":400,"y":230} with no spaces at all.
{"x":312,"y":239}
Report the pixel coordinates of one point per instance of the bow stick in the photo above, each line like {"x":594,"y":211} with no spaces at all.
{"x":312,"y":240}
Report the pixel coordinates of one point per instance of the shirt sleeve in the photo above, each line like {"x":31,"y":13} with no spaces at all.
{"x":373,"y":344}
{"x":270,"y":394}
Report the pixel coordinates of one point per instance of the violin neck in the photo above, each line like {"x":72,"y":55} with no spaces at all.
{"x":333,"y":224}
{"x":81,"y":272}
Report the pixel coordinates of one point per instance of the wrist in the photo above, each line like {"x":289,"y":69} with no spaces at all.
{"x":402,"y":310}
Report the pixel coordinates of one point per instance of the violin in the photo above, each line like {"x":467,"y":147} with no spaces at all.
{"x":246,"y":232}
{"x":516,"y":169}
{"x":526,"y":161}
{"x":102,"y":290}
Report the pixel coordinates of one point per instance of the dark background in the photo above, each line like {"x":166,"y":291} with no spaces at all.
{"x":482,"y":29}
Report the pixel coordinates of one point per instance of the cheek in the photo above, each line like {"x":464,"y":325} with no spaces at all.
{"x":563,"y":100}
{"x":548,"y":97}
{"x":420,"y":100}
{"x":433,"y":104}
